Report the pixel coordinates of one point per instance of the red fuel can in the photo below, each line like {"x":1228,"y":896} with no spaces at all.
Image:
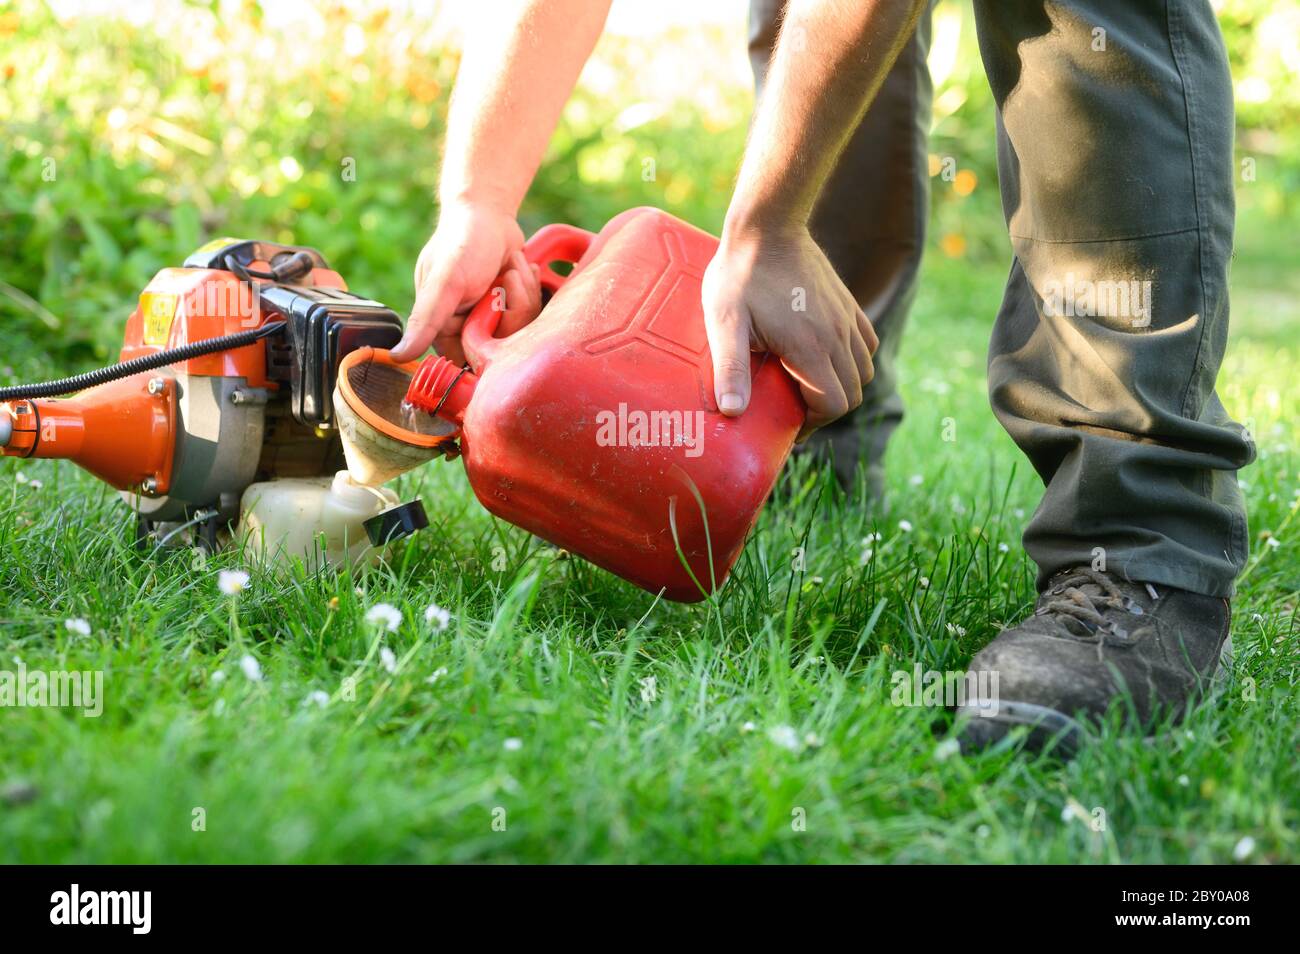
{"x":595,"y":426}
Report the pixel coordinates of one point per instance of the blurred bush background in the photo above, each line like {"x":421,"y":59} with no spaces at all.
{"x":130,"y":133}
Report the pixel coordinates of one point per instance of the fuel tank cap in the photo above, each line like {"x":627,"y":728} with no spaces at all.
{"x":396,"y":522}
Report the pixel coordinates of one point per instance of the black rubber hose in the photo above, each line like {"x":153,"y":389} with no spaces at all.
{"x":125,"y":369}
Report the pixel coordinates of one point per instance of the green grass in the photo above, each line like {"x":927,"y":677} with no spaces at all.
{"x":555,"y":654}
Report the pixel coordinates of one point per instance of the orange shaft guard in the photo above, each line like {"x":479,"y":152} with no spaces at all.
{"x":122,"y":432}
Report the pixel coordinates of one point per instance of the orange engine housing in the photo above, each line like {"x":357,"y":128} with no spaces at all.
{"x":188,"y":437}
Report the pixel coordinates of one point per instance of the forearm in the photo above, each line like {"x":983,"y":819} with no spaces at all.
{"x":514,"y":79}
{"x":830,"y":59}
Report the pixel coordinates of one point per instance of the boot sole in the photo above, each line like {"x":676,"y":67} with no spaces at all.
{"x":1050,"y":729}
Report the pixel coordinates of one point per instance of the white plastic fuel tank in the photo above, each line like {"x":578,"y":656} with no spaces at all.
{"x":311,"y":517}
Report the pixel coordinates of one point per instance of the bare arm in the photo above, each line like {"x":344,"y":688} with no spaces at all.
{"x":829,"y":63}
{"x":830,"y":59}
{"x":514,"y":80}
{"x":520,"y":63}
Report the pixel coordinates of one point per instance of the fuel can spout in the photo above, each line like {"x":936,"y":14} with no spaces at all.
{"x":123,"y":432}
{"x":442,"y":387}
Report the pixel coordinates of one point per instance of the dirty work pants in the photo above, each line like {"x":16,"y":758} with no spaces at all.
{"x":1114,"y":132}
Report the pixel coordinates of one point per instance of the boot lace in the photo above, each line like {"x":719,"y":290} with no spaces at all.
{"x":1086,"y":594}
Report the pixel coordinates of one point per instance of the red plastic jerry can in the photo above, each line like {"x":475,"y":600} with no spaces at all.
{"x":595,"y":427}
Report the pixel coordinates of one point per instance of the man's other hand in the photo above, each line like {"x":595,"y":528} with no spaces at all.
{"x":768,"y":290}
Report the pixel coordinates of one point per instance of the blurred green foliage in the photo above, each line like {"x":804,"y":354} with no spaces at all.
{"x":125,"y":145}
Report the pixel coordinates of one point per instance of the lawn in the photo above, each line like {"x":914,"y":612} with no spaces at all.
{"x":564,"y":715}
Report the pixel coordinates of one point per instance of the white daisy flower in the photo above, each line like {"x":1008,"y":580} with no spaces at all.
{"x":252,"y":669}
{"x":513,"y":745}
{"x":437,"y":617}
{"x":319,"y":698}
{"x":387,"y":659}
{"x":1244,"y":849}
{"x":785,"y":736}
{"x":905,"y":526}
{"x":748,"y":727}
{"x":946,"y":750}
{"x":231,"y":582}
{"x":79,"y":626}
{"x":218,"y":677}
{"x":385,"y":615}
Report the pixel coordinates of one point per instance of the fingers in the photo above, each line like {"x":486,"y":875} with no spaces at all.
{"x":852,"y":359}
{"x":517,"y":313}
{"x":727,"y":326}
{"x":823,"y":393}
{"x":432,"y":316}
{"x":423,"y":264}
{"x":844,"y":359}
{"x":831,"y":375}
{"x":861,"y":361}
{"x":448,"y":344}
{"x":523,"y":294}
{"x":867,"y":340}
{"x":868,"y":332}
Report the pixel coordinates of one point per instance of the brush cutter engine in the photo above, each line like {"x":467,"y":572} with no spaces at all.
{"x":226,"y":379}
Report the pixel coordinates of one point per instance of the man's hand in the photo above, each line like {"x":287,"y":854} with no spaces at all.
{"x":768,"y":265}
{"x":770,"y":291}
{"x":472,"y":245}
